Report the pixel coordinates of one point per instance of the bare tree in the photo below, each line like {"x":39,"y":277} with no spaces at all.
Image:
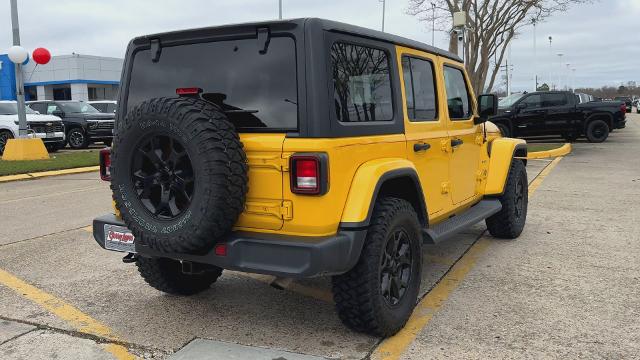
{"x":491,"y":26}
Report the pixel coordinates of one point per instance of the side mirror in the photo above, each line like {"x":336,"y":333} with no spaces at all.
{"x":58,"y":113}
{"x":487,"y":107}
{"x":522,"y":105}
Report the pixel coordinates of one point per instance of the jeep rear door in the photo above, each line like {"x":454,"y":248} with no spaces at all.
{"x":254,"y":84}
{"x":425,"y":128}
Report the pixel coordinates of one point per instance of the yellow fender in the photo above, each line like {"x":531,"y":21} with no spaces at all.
{"x":502,"y":151}
{"x":365,"y":185}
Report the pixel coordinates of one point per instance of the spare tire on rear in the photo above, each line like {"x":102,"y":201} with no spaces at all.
{"x":179,"y":174}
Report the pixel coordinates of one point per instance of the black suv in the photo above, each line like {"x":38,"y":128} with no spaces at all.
{"x":84,"y":124}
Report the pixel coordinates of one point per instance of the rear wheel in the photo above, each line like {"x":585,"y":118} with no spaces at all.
{"x":379,"y":294}
{"x":504,"y":130}
{"x":167,"y":276}
{"x":509,"y":222}
{"x":4,"y":137}
{"x":597,"y":131}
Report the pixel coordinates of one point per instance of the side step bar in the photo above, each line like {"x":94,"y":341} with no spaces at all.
{"x":458,"y":223}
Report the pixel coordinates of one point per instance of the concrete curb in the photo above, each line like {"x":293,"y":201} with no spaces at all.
{"x":561,"y":151}
{"x":41,"y":174}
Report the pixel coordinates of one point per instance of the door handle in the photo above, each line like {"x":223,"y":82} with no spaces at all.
{"x":421,"y":147}
{"x":456,"y":142}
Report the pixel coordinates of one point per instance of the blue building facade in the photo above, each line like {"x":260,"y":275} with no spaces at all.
{"x":7,"y":78}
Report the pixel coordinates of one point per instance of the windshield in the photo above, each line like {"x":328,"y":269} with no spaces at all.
{"x":12,"y":109}
{"x":78,"y":107}
{"x":509,"y":100}
{"x":257,"y":91}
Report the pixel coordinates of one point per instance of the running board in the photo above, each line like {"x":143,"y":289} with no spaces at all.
{"x":454,"y":225}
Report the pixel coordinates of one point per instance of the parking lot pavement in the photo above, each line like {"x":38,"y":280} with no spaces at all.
{"x":58,"y":256}
{"x":569,"y":286}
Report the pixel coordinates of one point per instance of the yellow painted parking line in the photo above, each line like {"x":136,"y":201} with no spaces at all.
{"x":88,"y":229}
{"x":41,"y":174}
{"x":67,"y":312}
{"x":393,"y":347}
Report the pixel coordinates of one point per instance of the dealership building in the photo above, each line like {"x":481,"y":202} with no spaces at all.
{"x":65,"y":77}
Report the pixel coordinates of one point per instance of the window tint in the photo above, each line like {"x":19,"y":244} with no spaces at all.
{"x":111,"y":108}
{"x":101,"y":107}
{"x":420,"y":89}
{"x":533,"y":101}
{"x":457,"y":94}
{"x":555,"y":100}
{"x":39,"y":107}
{"x":361,"y":83}
{"x":51,"y":107}
{"x":257,"y":91}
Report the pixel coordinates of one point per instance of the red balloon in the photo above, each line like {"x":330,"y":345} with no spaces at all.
{"x":41,"y":56}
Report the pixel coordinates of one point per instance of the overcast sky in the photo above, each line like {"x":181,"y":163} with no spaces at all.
{"x":601,"y":40}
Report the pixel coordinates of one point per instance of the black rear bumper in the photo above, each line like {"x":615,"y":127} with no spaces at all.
{"x":287,"y":256}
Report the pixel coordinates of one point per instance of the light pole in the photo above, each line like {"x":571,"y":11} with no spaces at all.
{"x":550,"y":74}
{"x":560,"y":70}
{"x":568,"y":74}
{"x":573,"y":79}
{"x":433,"y":24}
{"x":22,"y":117}
{"x":280,"y":9}
{"x":383,"y":11}
{"x":534,"y":21}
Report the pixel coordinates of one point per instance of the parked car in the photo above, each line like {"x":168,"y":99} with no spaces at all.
{"x":303,"y":148}
{"x":84,"y":124}
{"x":47,"y":127}
{"x":105,"y":106}
{"x":627,"y":102}
{"x":558,"y":113}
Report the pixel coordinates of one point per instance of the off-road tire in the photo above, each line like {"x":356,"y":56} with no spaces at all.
{"x":166,"y":275}
{"x":218,"y":162}
{"x":504,"y":130}
{"x":509,"y":222}
{"x":360,"y":303}
{"x":597,"y":131}
{"x":77,"y":138}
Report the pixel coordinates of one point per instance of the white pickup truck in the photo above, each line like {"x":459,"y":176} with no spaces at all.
{"x":47,"y":127}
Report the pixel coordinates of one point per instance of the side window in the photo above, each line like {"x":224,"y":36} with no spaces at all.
{"x":51,"y":108}
{"x":111,"y":108}
{"x":420,"y":89}
{"x":39,"y":107}
{"x":361,"y":83}
{"x":554,"y":100}
{"x":533,"y":101}
{"x":458,"y":101}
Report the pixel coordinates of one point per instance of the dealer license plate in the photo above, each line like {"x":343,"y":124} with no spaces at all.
{"x":118,"y":238}
{"x":51,"y":135}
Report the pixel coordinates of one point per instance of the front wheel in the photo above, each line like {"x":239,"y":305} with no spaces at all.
{"x":166,"y":275}
{"x":77,"y":138}
{"x":509,"y":222}
{"x":379,"y":294}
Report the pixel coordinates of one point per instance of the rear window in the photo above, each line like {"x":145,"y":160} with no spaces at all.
{"x":257,"y":91}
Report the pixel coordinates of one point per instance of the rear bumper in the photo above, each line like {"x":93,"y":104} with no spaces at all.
{"x":621,"y":124}
{"x":286,"y":256}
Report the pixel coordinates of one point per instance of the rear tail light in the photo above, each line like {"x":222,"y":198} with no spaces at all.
{"x":105,"y":164}
{"x":188,"y":91}
{"x":309,"y":174}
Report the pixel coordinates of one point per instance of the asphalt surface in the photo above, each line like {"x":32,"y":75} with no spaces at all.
{"x":568,"y":287}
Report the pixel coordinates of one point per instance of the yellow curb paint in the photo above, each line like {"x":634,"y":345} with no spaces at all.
{"x":41,"y":174}
{"x":393,"y":347}
{"x":72,"y":315}
{"x":561,"y":151}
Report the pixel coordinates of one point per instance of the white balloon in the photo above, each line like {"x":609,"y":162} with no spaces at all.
{"x":17,"y":54}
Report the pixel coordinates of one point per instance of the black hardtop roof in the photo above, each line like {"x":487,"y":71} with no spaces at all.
{"x":328,"y":25}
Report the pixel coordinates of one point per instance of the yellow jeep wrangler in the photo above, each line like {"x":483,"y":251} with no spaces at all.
{"x":303,"y":148}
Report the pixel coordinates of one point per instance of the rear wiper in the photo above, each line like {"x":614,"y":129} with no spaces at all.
{"x":240,"y":111}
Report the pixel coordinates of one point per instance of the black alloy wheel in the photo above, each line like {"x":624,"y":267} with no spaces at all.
{"x":599,"y":130}
{"x":521,"y":187}
{"x":163,"y":176}
{"x":395,"y":271}
{"x":4,"y":138}
{"x":77,"y":138}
